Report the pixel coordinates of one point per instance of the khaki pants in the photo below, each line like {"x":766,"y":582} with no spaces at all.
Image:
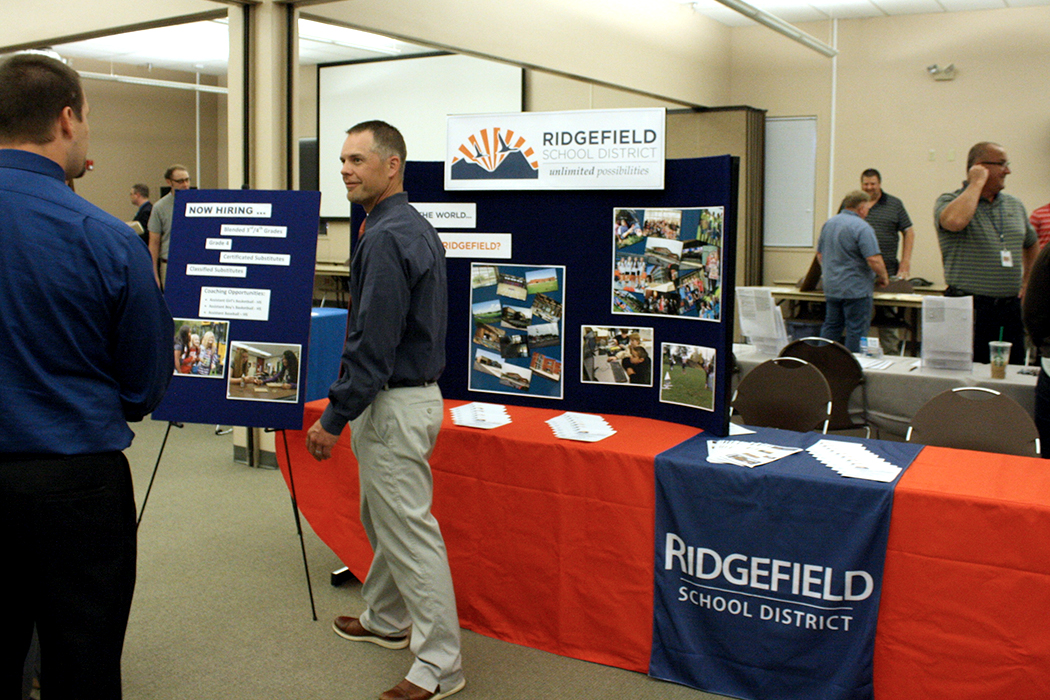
{"x":409,"y":582}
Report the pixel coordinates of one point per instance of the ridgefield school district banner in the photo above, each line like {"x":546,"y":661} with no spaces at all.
{"x":615,"y":149}
{"x":767,"y":580}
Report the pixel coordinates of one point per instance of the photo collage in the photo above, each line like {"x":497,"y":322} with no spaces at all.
{"x":516,"y":329}
{"x":668,"y":262}
{"x":257,"y":371}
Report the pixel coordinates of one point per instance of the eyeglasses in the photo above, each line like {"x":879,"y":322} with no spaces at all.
{"x":1000,"y":163}
{"x":180,"y":181}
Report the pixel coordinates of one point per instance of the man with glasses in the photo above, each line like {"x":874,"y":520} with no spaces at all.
{"x":178,"y":178}
{"x":988,"y":247}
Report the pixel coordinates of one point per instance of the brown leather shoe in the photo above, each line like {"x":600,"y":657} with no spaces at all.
{"x":352,"y":629}
{"x":407,"y":690}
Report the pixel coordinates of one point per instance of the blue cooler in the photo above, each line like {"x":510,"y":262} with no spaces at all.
{"x":327,"y":333}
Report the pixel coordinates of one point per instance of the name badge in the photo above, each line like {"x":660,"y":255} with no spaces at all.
{"x":1007,"y":258}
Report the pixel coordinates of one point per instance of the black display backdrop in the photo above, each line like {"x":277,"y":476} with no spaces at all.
{"x":575,"y":229}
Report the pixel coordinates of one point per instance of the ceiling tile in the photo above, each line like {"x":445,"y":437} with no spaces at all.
{"x":855,"y":9}
{"x":966,"y":5}
{"x":909,"y":7}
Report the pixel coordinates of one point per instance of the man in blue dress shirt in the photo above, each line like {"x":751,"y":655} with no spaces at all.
{"x":86,"y":340}
{"x":387,"y":391}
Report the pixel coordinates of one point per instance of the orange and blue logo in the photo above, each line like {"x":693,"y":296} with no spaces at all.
{"x":495,"y":154}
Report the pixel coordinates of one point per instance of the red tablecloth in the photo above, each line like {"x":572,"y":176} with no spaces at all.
{"x":551,"y":546}
{"x":966,"y":589}
{"x":550,"y":542}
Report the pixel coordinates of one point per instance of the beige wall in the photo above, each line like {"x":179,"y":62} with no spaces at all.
{"x":891,"y":115}
{"x":662,"y":49}
{"x":28,"y":22}
{"x":138,"y":131}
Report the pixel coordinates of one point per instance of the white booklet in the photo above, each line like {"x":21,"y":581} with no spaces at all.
{"x":585,"y":427}
{"x":480,"y":415}
{"x":746,"y":454}
{"x":853,"y":460}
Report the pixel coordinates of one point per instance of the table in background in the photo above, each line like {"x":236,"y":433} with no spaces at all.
{"x":338,"y":273}
{"x":910,"y":305}
{"x":551,"y":546}
{"x":261,"y":392}
{"x":896,"y":393}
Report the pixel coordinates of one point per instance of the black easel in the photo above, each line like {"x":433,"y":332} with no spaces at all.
{"x":295,"y":503}
{"x":155,"y":467}
{"x":298,"y":522}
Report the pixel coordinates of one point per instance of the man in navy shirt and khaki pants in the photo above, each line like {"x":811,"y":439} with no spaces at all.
{"x":387,"y":390}
{"x":86,"y":347}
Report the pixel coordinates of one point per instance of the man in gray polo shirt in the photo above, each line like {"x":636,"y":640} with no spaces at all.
{"x":178,"y":178}
{"x":851,"y":266}
{"x":889,"y":218}
{"x":988,"y":247}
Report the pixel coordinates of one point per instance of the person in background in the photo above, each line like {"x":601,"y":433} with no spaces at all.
{"x":140,"y":198}
{"x":988,"y":246}
{"x":178,"y":178}
{"x":1040,"y":221}
{"x":287,"y":375}
{"x":590,"y":352}
{"x":1036,"y":312}
{"x":85,"y":331}
{"x":890,"y":220}
{"x":851,"y":266}
{"x":387,"y":390}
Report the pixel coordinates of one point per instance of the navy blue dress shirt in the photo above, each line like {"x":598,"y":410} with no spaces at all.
{"x":399,"y":304}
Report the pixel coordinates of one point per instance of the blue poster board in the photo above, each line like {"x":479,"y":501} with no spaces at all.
{"x":574,"y":233}
{"x":240,"y":285}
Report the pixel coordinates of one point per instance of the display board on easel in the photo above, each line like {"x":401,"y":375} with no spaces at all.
{"x":239,"y":285}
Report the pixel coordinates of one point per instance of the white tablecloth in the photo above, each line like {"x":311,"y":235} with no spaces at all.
{"x":897,"y":392}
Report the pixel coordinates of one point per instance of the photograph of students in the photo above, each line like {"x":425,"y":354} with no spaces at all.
{"x":673,"y":268}
{"x":611,"y":355}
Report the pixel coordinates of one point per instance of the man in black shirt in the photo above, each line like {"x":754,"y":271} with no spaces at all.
{"x":1035,"y":308}
{"x":387,"y":390}
{"x":140,"y":198}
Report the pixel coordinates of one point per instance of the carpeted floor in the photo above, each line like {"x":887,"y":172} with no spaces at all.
{"x":222,"y":611}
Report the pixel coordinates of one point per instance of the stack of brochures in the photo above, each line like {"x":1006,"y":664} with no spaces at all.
{"x":585,"y":427}
{"x":873,"y":362}
{"x":480,"y":415}
{"x":746,"y":454}
{"x":853,"y":460}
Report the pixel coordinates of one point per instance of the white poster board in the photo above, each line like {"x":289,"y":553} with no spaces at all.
{"x":416,"y":95}
{"x":791,"y":174}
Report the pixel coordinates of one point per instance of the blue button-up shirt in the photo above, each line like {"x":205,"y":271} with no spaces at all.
{"x":85,"y":335}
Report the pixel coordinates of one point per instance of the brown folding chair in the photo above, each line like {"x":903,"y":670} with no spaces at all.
{"x":786,"y":393}
{"x":975,"y":418}
{"x":844,"y":375}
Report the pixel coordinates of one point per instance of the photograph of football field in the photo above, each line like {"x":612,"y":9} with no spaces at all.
{"x":687,"y":375}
